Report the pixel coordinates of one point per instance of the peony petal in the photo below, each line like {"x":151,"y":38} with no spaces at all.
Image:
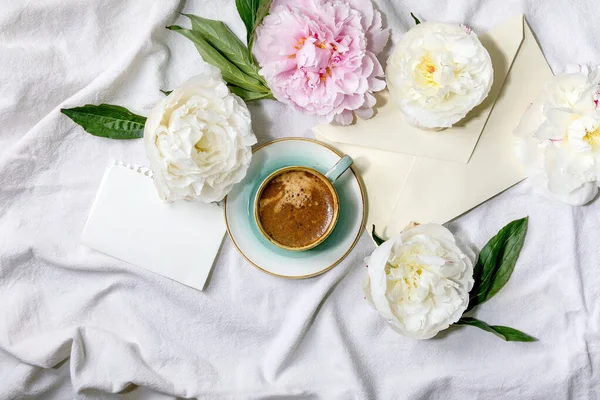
{"x":378,"y":280}
{"x":370,"y":100}
{"x":376,"y":84}
{"x":364,"y":112}
{"x":581,"y":195}
{"x":560,"y":181}
{"x":344,"y":118}
{"x":549,"y":131}
{"x":532,"y":120}
{"x":377,"y":37}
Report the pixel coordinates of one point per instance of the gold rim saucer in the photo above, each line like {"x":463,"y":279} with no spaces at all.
{"x":362,"y":225}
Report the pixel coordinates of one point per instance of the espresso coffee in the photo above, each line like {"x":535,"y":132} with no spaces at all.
{"x":296,"y":208}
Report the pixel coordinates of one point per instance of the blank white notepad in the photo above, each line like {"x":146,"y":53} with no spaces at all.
{"x":178,"y":240}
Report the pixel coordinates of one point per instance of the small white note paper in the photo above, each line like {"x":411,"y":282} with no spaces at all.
{"x":130,"y":222}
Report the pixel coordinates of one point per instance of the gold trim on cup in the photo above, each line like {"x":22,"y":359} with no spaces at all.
{"x":362,"y":225}
{"x":330,"y":187}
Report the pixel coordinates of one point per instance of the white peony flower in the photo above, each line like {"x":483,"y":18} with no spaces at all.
{"x":420,"y":281}
{"x":199,"y":139}
{"x":559,"y":137}
{"x":437,"y":73}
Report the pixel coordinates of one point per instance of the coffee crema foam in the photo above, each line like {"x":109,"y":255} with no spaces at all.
{"x":296,"y":208}
{"x":297,"y":190}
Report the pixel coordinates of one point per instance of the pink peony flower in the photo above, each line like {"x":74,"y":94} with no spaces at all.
{"x":320,"y":56}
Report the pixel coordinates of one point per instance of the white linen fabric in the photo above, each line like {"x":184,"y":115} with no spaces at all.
{"x":75,"y":323}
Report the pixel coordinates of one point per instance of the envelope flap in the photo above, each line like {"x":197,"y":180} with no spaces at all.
{"x":387,"y":130}
{"x":504,"y":41}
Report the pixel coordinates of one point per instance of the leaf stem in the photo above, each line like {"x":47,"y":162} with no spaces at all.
{"x":376,"y":238}
{"x":417,"y":22}
{"x":504,"y":332}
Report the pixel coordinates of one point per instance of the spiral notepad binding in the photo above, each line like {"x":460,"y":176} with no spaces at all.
{"x":141,"y":169}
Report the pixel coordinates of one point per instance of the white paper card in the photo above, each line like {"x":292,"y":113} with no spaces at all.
{"x":129,"y":221}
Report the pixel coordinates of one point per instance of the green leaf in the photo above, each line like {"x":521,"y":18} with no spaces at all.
{"x":506,"y":333}
{"x":378,"y":240}
{"x":230,"y":72}
{"x":106,"y":120}
{"x":417,"y":22}
{"x":247,"y":95}
{"x":261,"y":13}
{"x":497,"y":261}
{"x":247,"y":10}
{"x":166,"y":92}
{"x":219,"y":36}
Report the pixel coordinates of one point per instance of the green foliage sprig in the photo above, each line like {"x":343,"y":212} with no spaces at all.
{"x":219,"y":46}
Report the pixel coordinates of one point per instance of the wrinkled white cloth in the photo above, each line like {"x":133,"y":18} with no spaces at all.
{"x":75,"y":323}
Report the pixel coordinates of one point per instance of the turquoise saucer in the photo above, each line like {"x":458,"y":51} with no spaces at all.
{"x":244,"y":232}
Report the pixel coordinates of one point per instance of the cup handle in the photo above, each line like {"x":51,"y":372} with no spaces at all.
{"x":339,"y":168}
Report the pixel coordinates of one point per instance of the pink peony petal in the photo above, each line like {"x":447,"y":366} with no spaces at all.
{"x":376,"y":84}
{"x":377,"y":37}
{"x":345,"y":118}
{"x":364,"y":112}
{"x":370,"y":101}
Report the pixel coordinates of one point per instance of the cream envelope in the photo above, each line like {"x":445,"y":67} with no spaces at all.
{"x":436,"y":176}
